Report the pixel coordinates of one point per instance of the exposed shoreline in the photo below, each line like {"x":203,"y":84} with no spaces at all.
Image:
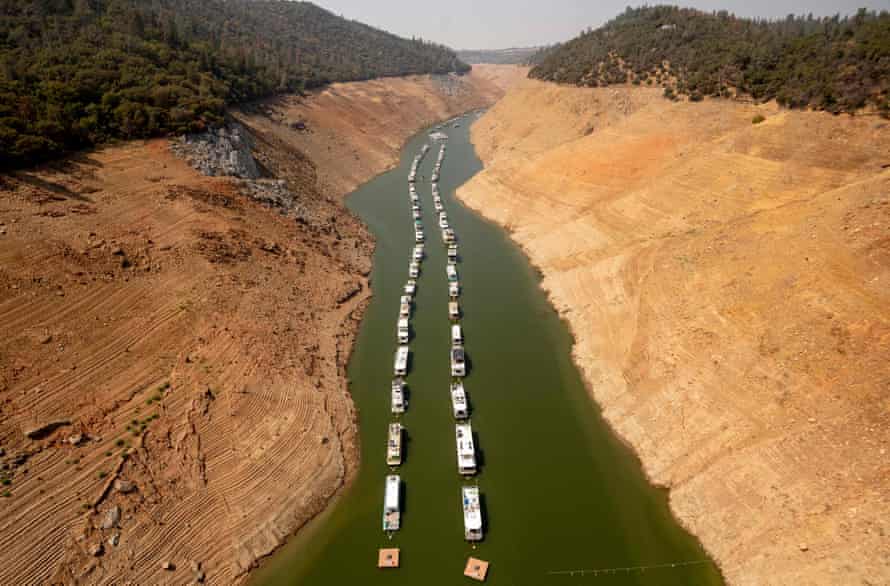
{"x":551,"y":161}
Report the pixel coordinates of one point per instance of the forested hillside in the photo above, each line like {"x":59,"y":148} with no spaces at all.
{"x":74,"y":73}
{"x":835,"y":64}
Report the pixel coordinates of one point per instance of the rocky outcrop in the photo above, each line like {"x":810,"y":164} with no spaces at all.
{"x":224,"y":151}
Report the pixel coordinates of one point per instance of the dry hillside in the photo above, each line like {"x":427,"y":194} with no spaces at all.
{"x":728,"y":284}
{"x":173,"y":402}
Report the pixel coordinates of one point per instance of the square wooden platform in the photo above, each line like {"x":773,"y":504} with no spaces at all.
{"x":388,"y":558}
{"x":476,"y":569}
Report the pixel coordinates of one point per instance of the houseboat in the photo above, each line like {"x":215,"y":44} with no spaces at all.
{"x":459,"y":401}
{"x":466,"y":451}
{"x":451,"y":271}
{"x":472,"y":513}
{"x":410,"y":287}
{"x":458,"y":361}
{"x":394,"y":445}
{"x":443,"y":222}
{"x":405,"y":310}
{"x":418,"y":253}
{"x":453,"y":310}
{"x":399,"y":404}
{"x":457,"y":335}
{"x":453,"y":289}
{"x":418,"y":235}
{"x":448,"y":235}
{"x":392,"y":515}
{"x":415,"y":214}
{"x":400,"y":367}
{"x":402,"y":332}
{"x":414,"y":269}
{"x":438,"y":206}
{"x":452,"y":252}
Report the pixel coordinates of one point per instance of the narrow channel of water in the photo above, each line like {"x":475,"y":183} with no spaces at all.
{"x":560,"y":491}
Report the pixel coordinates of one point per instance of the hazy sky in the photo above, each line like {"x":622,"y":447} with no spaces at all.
{"x":496,"y":24}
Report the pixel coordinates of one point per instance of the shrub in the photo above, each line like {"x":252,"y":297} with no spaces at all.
{"x":758,"y":119}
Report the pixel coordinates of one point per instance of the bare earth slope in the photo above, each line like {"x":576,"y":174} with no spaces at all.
{"x":728,"y":285}
{"x":172,"y":353}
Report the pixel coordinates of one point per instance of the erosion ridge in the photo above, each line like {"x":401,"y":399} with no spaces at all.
{"x":727,"y":286}
{"x":177,"y":348}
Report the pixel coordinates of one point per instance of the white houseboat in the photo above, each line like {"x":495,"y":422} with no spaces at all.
{"x":458,"y":361}
{"x":452,"y":252}
{"x":457,"y":335}
{"x":415,"y":214}
{"x":400,"y":367}
{"x":414,"y":269}
{"x":453,"y":310}
{"x":405,"y":310}
{"x":402,"y":331}
{"x":418,"y":252}
{"x":443,"y":222}
{"x":394,"y":445}
{"x":438,"y":206}
{"x":399,"y":404}
{"x":459,"y":401}
{"x":451,"y":271}
{"x":466,"y":451}
{"x":448,"y":235}
{"x":472,"y":513}
{"x":418,"y":235}
{"x":453,"y":289}
{"x":392,"y":516}
{"x":410,"y":287}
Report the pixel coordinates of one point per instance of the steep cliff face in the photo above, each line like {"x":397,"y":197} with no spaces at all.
{"x":728,"y":284}
{"x":173,"y":399}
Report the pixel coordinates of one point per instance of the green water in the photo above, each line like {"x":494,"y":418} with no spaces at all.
{"x":560,"y":492}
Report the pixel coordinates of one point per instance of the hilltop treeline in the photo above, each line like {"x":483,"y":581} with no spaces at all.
{"x":834,"y":64}
{"x":74,"y":73}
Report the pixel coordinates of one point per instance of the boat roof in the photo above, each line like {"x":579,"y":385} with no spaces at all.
{"x":403,"y":323}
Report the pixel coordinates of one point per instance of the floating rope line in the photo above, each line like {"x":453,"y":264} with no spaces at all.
{"x":603,"y":571}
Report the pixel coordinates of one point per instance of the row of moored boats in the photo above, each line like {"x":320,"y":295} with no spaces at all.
{"x":465,"y":447}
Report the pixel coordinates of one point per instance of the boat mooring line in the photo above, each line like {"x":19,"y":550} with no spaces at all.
{"x":604,"y":571}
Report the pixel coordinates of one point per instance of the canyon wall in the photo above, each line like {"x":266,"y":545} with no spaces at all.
{"x":727,"y":282}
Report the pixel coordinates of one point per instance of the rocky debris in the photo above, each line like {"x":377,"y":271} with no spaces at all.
{"x":124,"y":486}
{"x":96,"y":549}
{"x":76,"y":439}
{"x":46,"y":339}
{"x":225,"y":151}
{"x":271,"y":192}
{"x":804,"y":547}
{"x":167,"y":565}
{"x":112,"y":517}
{"x":114,"y":539}
{"x":198,"y":572}
{"x":41,"y":431}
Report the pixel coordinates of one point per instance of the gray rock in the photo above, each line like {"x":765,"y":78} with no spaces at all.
{"x":76,"y":439}
{"x":114,"y":540}
{"x":227,"y":151}
{"x":167,"y":565}
{"x":124,"y":486}
{"x":112,"y":517}
{"x":97,"y":549}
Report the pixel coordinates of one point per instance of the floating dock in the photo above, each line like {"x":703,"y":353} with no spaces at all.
{"x":476,"y":569}
{"x":388,"y":557}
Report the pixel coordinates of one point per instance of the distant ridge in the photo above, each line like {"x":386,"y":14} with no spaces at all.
{"x":79,"y":72}
{"x":511,"y":56}
{"x":834,"y":64}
